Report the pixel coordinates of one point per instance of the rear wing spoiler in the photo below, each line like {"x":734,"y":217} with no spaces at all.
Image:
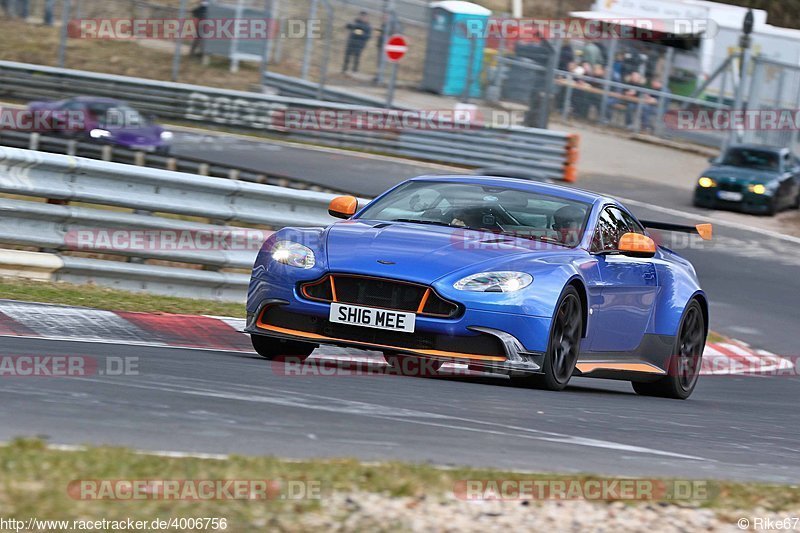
{"x":705,"y":231}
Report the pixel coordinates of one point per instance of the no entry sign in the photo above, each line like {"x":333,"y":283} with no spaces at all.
{"x":396,"y":48}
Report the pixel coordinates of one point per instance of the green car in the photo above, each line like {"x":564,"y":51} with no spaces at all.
{"x":752,"y":179}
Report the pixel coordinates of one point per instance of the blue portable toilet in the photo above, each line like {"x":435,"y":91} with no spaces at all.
{"x":457,"y":33}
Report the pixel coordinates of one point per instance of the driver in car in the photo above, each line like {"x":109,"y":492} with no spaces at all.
{"x":567,"y":223}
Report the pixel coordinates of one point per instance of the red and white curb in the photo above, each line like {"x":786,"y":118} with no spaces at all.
{"x":46,"y":321}
{"x":735,"y":358}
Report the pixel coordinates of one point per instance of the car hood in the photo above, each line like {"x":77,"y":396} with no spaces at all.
{"x":740,"y":175}
{"x":424,"y":253}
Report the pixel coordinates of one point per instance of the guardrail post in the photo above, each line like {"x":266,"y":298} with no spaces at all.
{"x":138,"y":159}
{"x":233,"y":174}
{"x":33,"y":142}
{"x":172,"y":164}
{"x":203,"y":169}
{"x":72,"y":147}
{"x":106,"y":153}
{"x":571,"y":162}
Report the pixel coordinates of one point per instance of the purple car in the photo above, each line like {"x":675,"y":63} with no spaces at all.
{"x":103,"y":120}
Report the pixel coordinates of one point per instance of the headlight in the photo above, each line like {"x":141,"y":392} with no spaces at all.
{"x":166,"y":136}
{"x":706,"y":182}
{"x":757,"y":188}
{"x":293,"y":254}
{"x":99,"y":134}
{"x":494,"y":282}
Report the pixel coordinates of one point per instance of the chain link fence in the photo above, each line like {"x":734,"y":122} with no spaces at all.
{"x":774,"y":89}
{"x":630,"y":85}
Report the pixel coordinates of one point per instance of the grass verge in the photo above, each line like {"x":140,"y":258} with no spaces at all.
{"x":112,"y":299}
{"x":35,"y":482}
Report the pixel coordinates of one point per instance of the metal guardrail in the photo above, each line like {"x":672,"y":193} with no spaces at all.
{"x":300,"y":88}
{"x":137,"y":199}
{"x":116,"y":154}
{"x":553,"y":153}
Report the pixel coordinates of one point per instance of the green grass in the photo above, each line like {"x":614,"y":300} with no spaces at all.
{"x":113,"y":299}
{"x":35,"y":481}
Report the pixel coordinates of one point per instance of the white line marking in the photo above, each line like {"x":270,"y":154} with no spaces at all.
{"x":291,"y":398}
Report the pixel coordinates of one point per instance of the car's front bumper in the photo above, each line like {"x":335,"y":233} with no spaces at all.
{"x":490,"y":340}
{"x":750,"y":202}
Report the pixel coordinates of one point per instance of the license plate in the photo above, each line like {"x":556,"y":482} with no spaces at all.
{"x":369,"y":317}
{"x":729,"y":196}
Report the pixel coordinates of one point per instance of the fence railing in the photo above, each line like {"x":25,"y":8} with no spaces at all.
{"x":553,"y":153}
{"x":116,"y":154}
{"x":131,"y":221}
{"x":300,"y":88}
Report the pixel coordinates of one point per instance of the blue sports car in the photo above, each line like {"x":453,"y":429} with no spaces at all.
{"x":537,"y":281}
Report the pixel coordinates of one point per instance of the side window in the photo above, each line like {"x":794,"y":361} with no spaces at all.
{"x":611,"y":226}
{"x":632,"y":225}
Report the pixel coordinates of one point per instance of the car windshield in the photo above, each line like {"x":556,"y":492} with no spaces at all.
{"x":111,"y":115}
{"x":500,"y":210}
{"x":757,"y":159}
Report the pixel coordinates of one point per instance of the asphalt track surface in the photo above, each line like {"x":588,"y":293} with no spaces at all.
{"x":221,"y":402}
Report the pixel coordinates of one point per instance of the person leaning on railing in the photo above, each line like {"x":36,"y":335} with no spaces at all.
{"x":650,"y":108}
{"x":636,"y":82}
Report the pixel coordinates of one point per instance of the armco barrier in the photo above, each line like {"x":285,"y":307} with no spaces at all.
{"x":300,"y":88}
{"x":541,"y":150}
{"x":140,"y":198}
{"x":192,"y":165}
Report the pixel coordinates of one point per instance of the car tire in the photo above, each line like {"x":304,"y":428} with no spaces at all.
{"x":273,"y":348}
{"x":563,"y":347}
{"x":408,"y":365}
{"x":683,"y":368}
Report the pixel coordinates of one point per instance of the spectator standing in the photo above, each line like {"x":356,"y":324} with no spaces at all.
{"x":360,"y":33}
{"x":9,"y":9}
{"x":650,"y":109}
{"x":566,"y":56}
{"x":637,"y":82}
{"x":580,"y":97}
{"x":592,"y":54}
{"x":199,"y":13}
{"x":49,"y":8}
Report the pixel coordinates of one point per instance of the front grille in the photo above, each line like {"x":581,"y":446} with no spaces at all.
{"x":379,"y":292}
{"x":477,"y":344}
{"x":729,"y":186}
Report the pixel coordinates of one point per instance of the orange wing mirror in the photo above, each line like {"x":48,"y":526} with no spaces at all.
{"x":637,"y":245}
{"x":343,"y":206}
